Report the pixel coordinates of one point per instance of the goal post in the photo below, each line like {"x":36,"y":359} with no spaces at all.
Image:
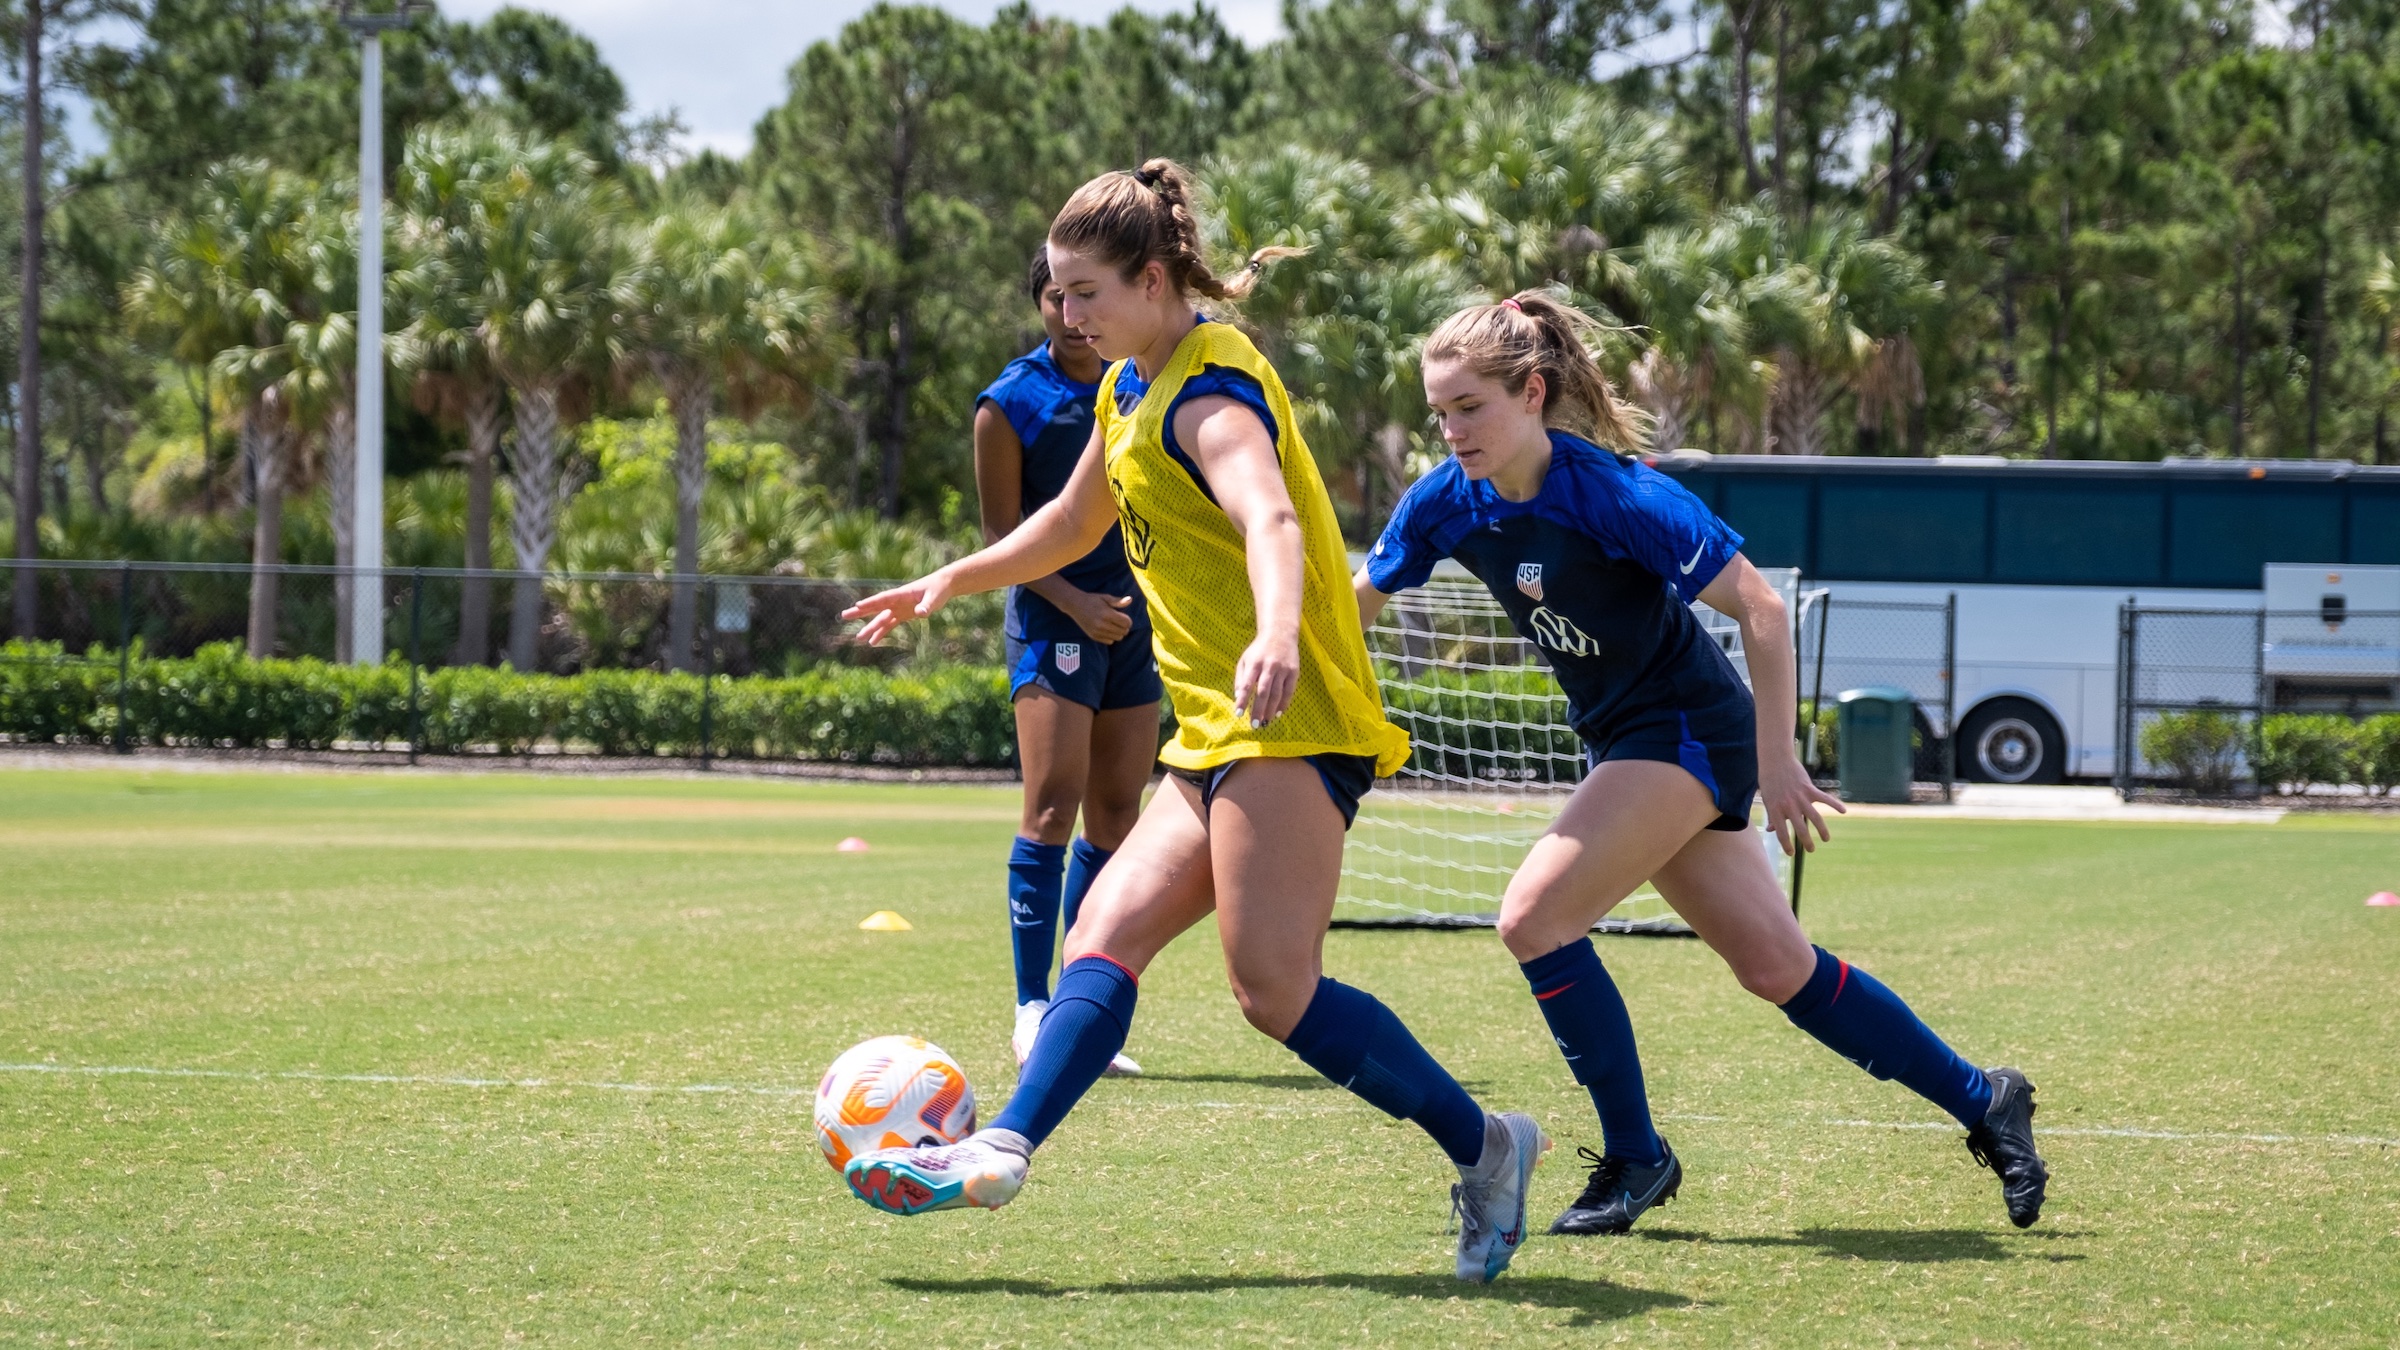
{"x":1492,"y":761}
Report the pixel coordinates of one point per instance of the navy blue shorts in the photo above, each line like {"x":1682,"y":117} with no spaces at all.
{"x":1049,"y":650}
{"x":1346,"y":778}
{"x":1718,"y":746}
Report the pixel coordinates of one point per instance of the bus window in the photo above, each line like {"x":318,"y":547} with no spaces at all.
{"x":2374,"y":527}
{"x":2225,"y":534}
{"x":1888,"y":531}
{"x":2077,"y":535}
{"x":1772,"y":516}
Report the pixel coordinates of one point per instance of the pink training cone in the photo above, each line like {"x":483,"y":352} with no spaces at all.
{"x":853,"y":844}
{"x":2383,"y":900}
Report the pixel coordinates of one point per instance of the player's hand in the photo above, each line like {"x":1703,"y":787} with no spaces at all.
{"x":887,"y":610}
{"x":1102,"y":617}
{"x":1792,"y":799}
{"x":1266,"y":677}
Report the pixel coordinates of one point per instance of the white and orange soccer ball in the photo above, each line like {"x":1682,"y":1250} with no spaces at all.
{"x":892,"y":1092}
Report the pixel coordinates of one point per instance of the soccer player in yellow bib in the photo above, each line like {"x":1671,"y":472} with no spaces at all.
{"x":1232,"y":537}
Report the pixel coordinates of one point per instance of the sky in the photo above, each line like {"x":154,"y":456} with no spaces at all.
{"x":721,"y":63}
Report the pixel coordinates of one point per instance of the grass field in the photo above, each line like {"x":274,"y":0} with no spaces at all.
{"x":319,"y":976}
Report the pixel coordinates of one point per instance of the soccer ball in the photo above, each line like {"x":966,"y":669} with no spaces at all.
{"x":892,"y":1092}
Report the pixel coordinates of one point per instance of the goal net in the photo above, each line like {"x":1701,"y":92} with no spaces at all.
{"x":1494,"y":760}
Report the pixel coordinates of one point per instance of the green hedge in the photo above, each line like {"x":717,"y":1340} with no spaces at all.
{"x":953,"y":715}
{"x":2295,"y":751}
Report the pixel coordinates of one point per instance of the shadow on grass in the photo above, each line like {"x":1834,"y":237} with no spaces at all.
{"x":1281,"y":1082}
{"x":1591,"y":1301}
{"x":1888,"y":1244}
{"x":1278,"y":1082}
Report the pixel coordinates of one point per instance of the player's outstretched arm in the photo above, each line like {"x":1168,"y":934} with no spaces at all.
{"x":1238,"y":459}
{"x":1784,"y":787}
{"x":1065,"y":529}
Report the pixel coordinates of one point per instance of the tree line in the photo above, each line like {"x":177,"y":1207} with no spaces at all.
{"x":2050,"y":228}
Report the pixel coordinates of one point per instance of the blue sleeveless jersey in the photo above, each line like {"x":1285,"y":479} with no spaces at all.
{"x":1598,"y":571}
{"x":1052,"y":416}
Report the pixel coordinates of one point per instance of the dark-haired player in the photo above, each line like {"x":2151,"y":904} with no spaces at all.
{"x":1080,"y":671}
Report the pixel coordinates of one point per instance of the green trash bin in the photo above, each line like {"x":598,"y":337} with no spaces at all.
{"x":1873,"y":740}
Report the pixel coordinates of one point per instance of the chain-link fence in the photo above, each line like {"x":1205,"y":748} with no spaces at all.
{"x":2212,"y":701}
{"x":1910,"y":645}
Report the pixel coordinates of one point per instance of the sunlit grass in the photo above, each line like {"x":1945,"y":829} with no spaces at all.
{"x":333,"y":954}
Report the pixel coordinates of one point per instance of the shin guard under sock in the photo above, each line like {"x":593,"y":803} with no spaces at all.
{"x":1034,"y":869}
{"x":1351,"y":1038}
{"x":1864,"y":1022}
{"x":1587,"y":1018}
{"x":1081,"y":1033}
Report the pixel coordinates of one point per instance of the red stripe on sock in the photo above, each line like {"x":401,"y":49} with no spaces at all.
{"x":1839,"y":981}
{"x":1130,"y":972}
{"x":1555,"y":992}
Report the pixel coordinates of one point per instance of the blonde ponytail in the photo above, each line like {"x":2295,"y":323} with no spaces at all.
{"x":1532,"y":333}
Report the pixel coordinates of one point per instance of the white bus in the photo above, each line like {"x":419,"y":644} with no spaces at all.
{"x":2040,"y":556}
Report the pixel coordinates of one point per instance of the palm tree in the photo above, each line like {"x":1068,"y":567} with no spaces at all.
{"x":450,"y":179}
{"x":1549,"y":189}
{"x":220,"y":291}
{"x":1695,"y":312}
{"x":713,"y":304}
{"x":320,"y":365}
{"x":547,"y":314}
{"x":1347,"y":324}
{"x":1858,"y":297}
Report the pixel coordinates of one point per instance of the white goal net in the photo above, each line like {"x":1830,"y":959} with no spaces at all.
{"x":1493,"y":761}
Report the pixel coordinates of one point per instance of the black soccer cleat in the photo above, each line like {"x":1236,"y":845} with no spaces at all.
{"x":2004,"y":1143}
{"x":1619,"y":1192}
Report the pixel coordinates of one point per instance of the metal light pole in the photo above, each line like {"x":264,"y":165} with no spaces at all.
{"x":366,"y":587}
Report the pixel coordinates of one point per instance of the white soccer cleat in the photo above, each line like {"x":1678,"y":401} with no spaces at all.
{"x":1029,"y":1024}
{"x":985,"y":1172}
{"x":1489,"y":1199}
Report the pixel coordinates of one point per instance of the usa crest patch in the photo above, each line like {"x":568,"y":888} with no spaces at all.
{"x":1529,"y":579}
{"x":1068,"y":657}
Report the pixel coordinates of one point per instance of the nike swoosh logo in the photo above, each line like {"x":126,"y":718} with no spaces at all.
{"x":1695,"y":562}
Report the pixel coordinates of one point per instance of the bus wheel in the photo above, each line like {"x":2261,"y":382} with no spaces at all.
{"x":2011,"y":740}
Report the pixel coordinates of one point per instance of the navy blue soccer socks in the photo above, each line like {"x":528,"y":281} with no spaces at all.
{"x":1587,"y":1018}
{"x":1864,"y":1022}
{"x":1084,"y":861}
{"x":1356,"y":1042}
{"x":1082,"y":1032}
{"x":1034,"y":872}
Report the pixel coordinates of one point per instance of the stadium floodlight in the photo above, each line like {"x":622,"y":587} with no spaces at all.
{"x":366,"y":586}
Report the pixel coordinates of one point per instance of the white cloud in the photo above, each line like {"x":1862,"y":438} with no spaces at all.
{"x":722,"y":62}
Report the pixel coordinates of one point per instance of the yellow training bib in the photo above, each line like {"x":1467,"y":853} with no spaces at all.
{"x":1194,"y":574}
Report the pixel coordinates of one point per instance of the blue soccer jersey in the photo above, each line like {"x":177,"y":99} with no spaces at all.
{"x":1598,"y":571}
{"x":1052,"y":416}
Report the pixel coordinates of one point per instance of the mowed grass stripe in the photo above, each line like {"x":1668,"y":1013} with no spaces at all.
{"x":752,"y":1090}
{"x":2155,"y":979}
